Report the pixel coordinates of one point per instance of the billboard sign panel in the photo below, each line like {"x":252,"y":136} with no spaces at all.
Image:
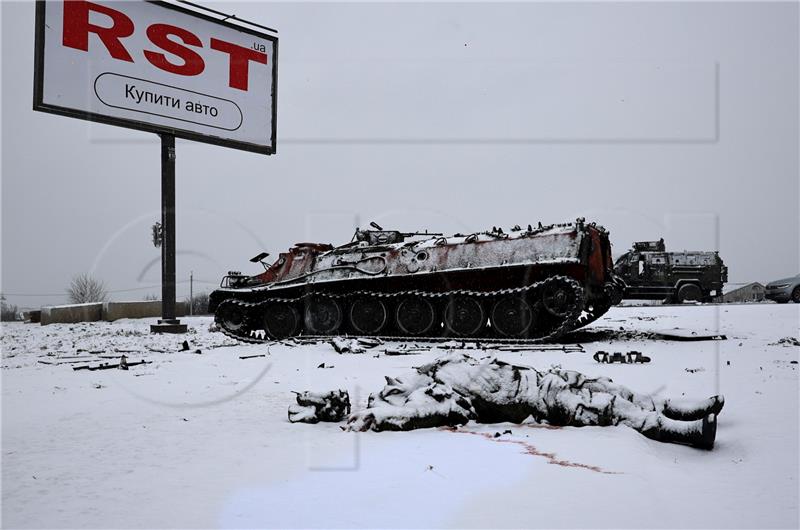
{"x":158,"y":67}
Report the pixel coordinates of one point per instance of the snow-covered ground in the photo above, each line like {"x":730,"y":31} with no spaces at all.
{"x":202,"y":440}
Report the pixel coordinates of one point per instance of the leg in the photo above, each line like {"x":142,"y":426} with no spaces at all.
{"x":697,"y":433}
{"x":683,"y":410}
{"x":693,"y":410}
{"x":581,"y":407}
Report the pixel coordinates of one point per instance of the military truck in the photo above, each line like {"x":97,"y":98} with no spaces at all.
{"x":652,"y":273}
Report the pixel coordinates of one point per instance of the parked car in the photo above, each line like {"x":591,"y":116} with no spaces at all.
{"x":784,"y":290}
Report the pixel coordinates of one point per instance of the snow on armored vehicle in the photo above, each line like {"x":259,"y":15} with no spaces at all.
{"x":534,"y":283}
{"x":650,"y":272}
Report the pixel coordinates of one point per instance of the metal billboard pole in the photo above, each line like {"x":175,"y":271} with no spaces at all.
{"x":168,"y":323}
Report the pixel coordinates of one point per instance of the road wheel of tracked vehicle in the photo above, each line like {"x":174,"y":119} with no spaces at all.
{"x":281,"y":321}
{"x":464,"y":316}
{"x":415,"y":316}
{"x":322,"y":316}
{"x":231,"y":316}
{"x":512,"y":316}
{"x":796,"y":295}
{"x":689,"y":292}
{"x":558,"y":298}
{"x":368,"y":315}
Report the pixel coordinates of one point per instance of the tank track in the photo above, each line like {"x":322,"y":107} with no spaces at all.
{"x":590,"y":315}
{"x":252,"y":333}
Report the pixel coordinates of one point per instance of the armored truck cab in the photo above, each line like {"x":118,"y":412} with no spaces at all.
{"x":650,"y":272}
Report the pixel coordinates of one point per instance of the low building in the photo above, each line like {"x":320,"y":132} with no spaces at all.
{"x":752,"y":292}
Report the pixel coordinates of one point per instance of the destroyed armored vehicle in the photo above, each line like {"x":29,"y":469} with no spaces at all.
{"x":535,"y":283}
{"x":650,"y":272}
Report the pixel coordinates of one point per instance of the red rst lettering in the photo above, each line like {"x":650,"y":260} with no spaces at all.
{"x":192,"y":61}
{"x":76,"y":35}
{"x":77,"y":28}
{"x":240,"y":58}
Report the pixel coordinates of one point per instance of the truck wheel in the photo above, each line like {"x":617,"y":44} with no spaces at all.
{"x":280,"y":321}
{"x":415,"y":316}
{"x":368,"y":315}
{"x":689,"y":292}
{"x":464,"y":316}
{"x":512,"y":316}
{"x":231,"y":316}
{"x":322,"y":316}
{"x":796,"y":295}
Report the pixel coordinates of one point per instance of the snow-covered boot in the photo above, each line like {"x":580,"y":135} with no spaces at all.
{"x":694,"y":410}
{"x":698,"y":433}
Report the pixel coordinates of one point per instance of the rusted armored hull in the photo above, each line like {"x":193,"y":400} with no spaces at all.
{"x":535,"y":283}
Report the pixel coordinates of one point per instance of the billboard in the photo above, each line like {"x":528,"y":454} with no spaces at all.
{"x":157,"y":67}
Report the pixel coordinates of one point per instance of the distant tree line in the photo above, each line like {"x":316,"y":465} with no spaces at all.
{"x":8,"y":312}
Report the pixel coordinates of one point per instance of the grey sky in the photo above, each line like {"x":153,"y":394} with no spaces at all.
{"x":451,"y":117}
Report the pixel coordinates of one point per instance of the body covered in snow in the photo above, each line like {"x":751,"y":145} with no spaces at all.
{"x":458,"y":388}
{"x":530,"y":283}
{"x":313,"y":407}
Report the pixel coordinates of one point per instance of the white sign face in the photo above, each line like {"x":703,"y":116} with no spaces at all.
{"x":157,"y":67}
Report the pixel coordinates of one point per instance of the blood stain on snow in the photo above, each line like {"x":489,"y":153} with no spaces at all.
{"x":532,"y":450}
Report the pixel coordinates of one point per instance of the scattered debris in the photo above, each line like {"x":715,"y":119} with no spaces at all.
{"x":369,"y":342}
{"x":342,"y":345}
{"x":360,"y":345}
{"x":630,"y":357}
{"x":695,"y":370}
{"x":406,"y":349}
{"x":298,"y":341}
{"x":109,"y":366}
{"x":323,"y":365}
{"x":314,"y":407}
{"x":58,"y":361}
{"x":686,"y":335}
{"x":252,"y":356}
{"x":786,"y":341}
{"x":567,"y":348}
{"x":223,"y":344}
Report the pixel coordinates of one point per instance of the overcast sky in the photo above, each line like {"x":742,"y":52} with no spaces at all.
{"x":654,"y":119}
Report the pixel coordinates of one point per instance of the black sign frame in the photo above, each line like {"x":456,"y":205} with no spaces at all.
{"x":41,"y":106}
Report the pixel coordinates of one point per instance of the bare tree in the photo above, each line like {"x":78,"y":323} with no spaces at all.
{"x":8,"y":312}
{"x":199,"y":303}
{"x":84,"y":288}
